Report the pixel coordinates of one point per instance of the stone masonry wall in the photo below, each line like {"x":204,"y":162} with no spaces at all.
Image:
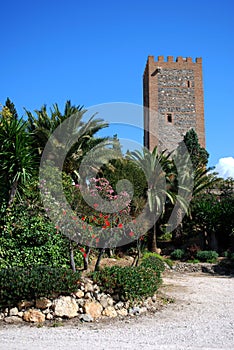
{"x":173,"y":97}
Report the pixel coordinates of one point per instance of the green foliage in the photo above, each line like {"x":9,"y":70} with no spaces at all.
{"x":31,"y":283}
{"x":28,"y":237}
{"x":213,"y":214}
{"x":11,"y":107}
{"x":207,"y":255}
{"x":231,"y":257}
{"x":153,"y":262}
{"x":177,"y":254}
{"x":130,"y":283}
{"x":158,"y":256}
{"x":193,"y":261}
{"x":198,"y":155}
{"x":166,"y":237}
{"x":17,"y":157}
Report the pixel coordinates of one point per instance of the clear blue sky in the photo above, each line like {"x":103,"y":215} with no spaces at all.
{"x":94,"y":52}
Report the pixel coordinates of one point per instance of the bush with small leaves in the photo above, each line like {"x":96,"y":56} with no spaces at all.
{"x":177,"y":254}
{"x":129,"y":283}
{"x":152,"y":261}
{"x":207,"y":256}
{"x":40,"y":281}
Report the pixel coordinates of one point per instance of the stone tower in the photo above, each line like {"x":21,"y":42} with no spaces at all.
{"x":173,"y":101}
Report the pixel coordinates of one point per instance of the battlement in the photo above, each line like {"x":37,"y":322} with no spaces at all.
{"x":178,"y":59}
{"x":173,"y":97}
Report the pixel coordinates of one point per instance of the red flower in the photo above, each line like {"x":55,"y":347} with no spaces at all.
{"x":82,"y":250}
{"x":107,"y":223}
{"x":93,"y":236}
{"x":64,"y":212}
{"x":95,"y":205}
{"x":97,"y":240}
{"x":120,"y":226}
{"x":84,"y":255}
{"x":83,"y":218}
{"x":100,"y":215}
{"x":131,"y":234}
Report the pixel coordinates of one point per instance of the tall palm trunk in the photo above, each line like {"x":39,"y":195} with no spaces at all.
{"x":13,"y":192}
{"x":177,"y":233}
{"x":152,"y":242}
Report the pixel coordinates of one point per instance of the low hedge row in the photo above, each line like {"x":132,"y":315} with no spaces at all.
{"x":39,"y":281}
{"x":131,"y":283}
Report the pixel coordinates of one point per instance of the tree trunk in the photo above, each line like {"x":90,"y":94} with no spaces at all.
{"x":13,"y":192}
{"x":101,"y":252}
{"x":86,"y":258}
{"x":177,"y":234}
{"x":213,"y":242}
{"x":152,"y":240}
{"x":72,"y":262}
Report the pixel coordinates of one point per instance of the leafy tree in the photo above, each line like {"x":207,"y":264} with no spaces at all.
{"x":11,"y":107}
{"x":199,"y":156}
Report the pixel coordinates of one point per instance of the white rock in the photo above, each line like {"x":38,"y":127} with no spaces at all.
{"x":14,"y":311}
{"x":65,"y":307}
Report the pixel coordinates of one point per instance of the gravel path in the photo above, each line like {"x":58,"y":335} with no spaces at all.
{"x":202,"y":317}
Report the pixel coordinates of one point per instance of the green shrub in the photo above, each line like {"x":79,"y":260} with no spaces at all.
{"x":39,"y":281}
{"x":232,"y":256}
{"x":160,"y":257}
{"x":193,"y":261}
{"x":152,"y":261}
{"x":177,"y":254}
{"x":130,"y":283}
{"x":29,"y":238}
{"x":207,"y":255}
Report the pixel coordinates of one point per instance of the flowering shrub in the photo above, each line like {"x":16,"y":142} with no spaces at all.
{"x":96,"y":216}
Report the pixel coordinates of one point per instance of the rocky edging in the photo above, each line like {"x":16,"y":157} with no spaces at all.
{"x":87,"y":304}
{"x":203,"y":267}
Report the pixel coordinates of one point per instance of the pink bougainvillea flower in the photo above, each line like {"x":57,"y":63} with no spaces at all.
{"x":83,"y":218}
{"x":120,"y":225}
{"x":97,"y":240}
{"x":131,"y":234}
{"x":95,"y":205}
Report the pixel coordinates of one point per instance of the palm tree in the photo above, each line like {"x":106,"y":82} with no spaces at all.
{"x":17,"y":158}
{"x":43,"y":125}
{"x":157,"y":169}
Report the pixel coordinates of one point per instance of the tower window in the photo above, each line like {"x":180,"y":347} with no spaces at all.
{"x":189,"y":84}
{"x":169,"y":117}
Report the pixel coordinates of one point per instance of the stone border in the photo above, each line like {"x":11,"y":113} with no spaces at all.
{"x":87,"y":304}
